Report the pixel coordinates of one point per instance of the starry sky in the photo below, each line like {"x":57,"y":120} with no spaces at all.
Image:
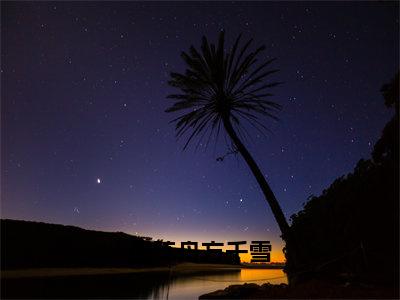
{"x":85,"y":140}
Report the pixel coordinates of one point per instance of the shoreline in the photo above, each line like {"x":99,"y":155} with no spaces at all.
{"x":183,"y":268}
{"x":313,"y":289}
{"x":262,"y":266}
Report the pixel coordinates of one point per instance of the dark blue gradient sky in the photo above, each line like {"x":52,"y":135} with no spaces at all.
{"x":83,"y":98}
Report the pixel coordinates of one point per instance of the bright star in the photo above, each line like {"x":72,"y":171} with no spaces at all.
{"x":98,"y":180}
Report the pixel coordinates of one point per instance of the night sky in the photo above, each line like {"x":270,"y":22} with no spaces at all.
{"x":85,"y":140}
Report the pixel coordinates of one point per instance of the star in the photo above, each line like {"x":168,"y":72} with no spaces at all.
{"x":98,"y":180}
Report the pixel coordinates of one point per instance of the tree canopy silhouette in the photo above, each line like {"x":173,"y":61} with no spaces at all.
{"x":351,"y":231}
{"x":388,"y":144}
{"x":223,"y":89}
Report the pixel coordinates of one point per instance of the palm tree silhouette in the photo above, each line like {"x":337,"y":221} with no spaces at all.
{"x":226,"y":88}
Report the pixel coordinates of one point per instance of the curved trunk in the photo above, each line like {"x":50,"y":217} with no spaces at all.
{"x":269,"y":195}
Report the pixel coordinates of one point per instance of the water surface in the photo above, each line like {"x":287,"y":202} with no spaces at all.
{"x":191,"y":287}
{"x":142,"y":285}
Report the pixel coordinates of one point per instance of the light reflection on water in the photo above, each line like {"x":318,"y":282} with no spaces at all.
{"x":191,"y":287}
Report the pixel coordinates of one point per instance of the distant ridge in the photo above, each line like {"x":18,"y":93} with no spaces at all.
{"x":28,"y":244}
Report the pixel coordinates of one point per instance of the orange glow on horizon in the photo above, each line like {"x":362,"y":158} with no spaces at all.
{"x":277,"y":255}
{"x":182,"y":235}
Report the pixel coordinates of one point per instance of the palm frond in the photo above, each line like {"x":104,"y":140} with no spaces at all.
{"x":220,"y":84}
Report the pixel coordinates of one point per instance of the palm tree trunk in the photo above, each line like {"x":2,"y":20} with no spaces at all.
{"x":269,"y":195}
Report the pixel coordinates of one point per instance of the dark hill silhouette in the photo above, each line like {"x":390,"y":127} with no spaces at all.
{"x":26,"y":244}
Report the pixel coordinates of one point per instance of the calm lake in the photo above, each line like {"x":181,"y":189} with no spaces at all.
{"x":143,"y":285}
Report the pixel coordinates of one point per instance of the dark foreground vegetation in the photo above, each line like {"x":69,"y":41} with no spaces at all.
{"x":40,"y":245}
{"x":352,"y":229}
